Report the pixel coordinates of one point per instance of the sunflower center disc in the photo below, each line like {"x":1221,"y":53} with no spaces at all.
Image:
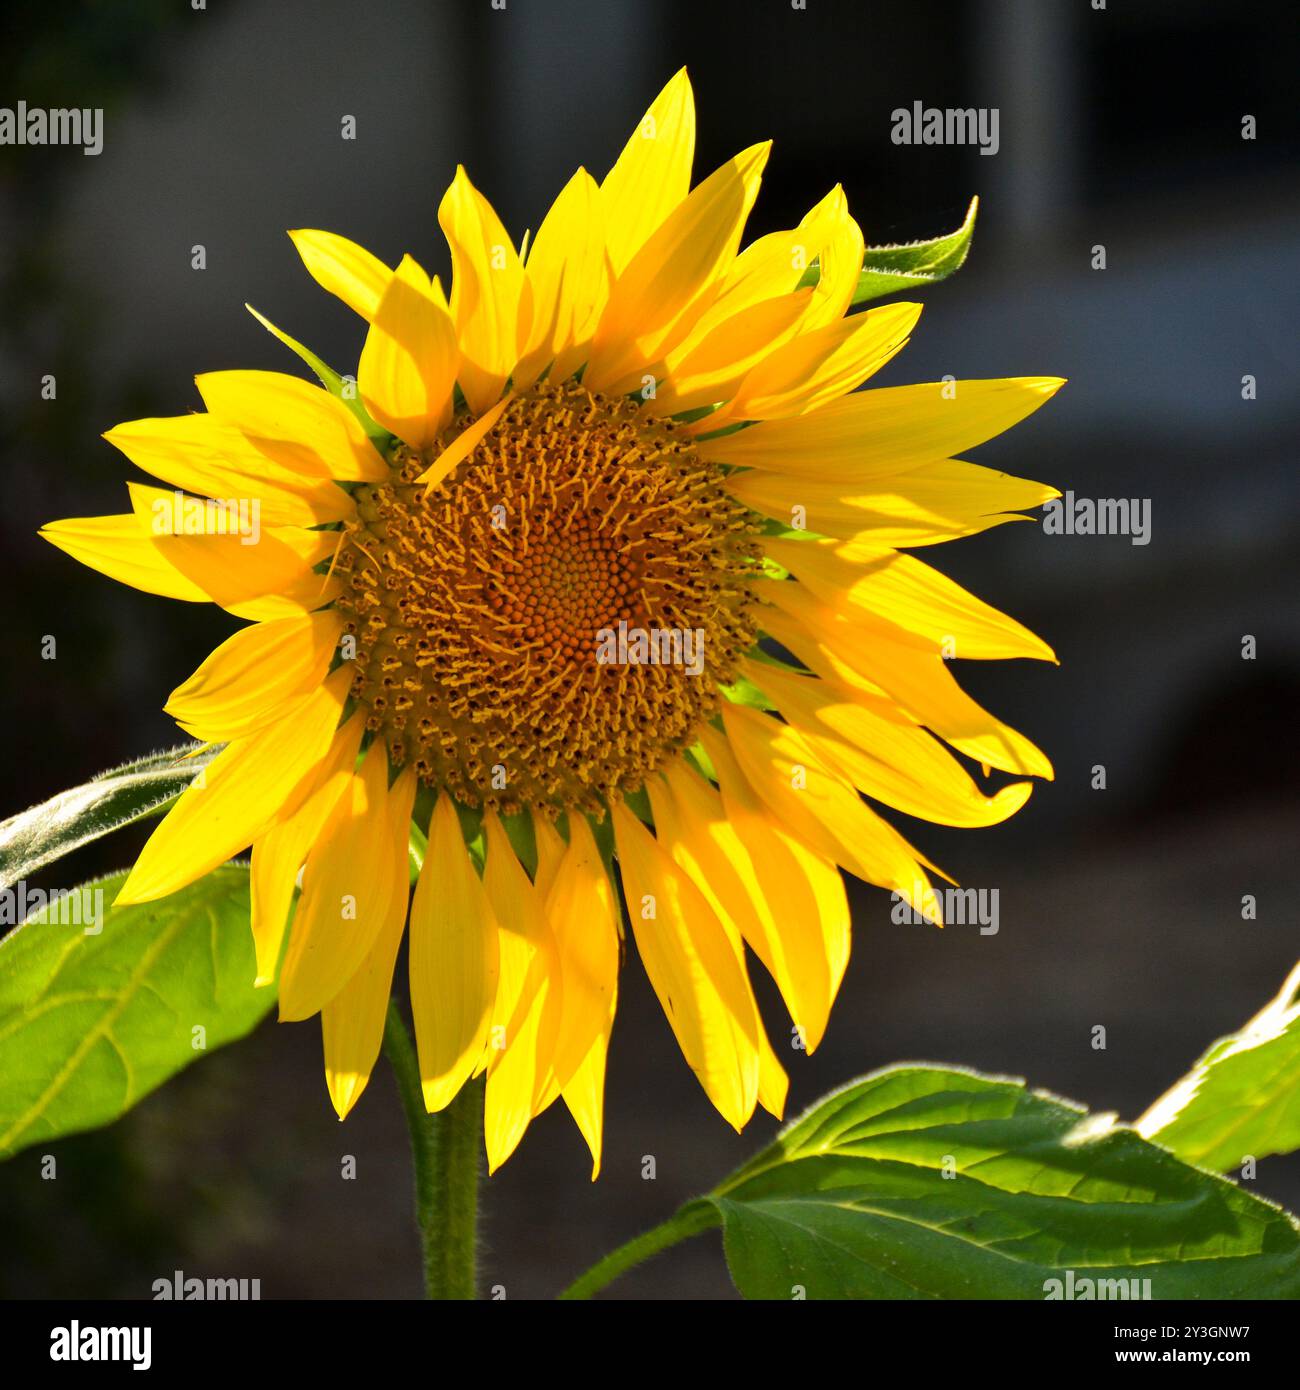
{"x":550,"y":624}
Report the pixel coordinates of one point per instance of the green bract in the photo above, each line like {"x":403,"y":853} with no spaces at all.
{"x":911,"y":265}
{"x":132,"y":792}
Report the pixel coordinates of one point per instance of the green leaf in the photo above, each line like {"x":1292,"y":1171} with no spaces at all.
{"x":852,"y":1201}
{"x":132,"y":792}
{"x":1243,"y":1097}
{"x":911,"y":265}
{"x":91,"y":1023}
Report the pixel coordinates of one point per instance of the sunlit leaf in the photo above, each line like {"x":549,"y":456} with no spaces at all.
{"x":929,"y":1182}
{"x":1242,"y":1099}
{"x":92,"y":1020}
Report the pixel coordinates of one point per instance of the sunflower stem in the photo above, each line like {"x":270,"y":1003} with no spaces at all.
{"x":445,"y":1149}
{"x":690,"y":1220}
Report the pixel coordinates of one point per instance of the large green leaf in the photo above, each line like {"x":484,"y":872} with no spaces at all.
{"x":910,"y":265}
{"x":132,"y":792}
{"x":91,"y":1023}
{"x":1242,"y":1099}
{"x":928,"y":1182}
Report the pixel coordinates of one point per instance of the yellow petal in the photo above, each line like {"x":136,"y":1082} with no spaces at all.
{"x":463,"y":446}
{"x":745,"y":311}
{"x":773,"y":1083}
{"x":119,"y":547}
{"x":817,"y":805}
{"x":653,"y":173}
{"x":840,"y":256}
{"x":237,"y":796}
{"x":787,"y":902}
{"x":920,"y":681}
{"x":871,"y":433}
{"x":583,"y":914}
{"x":689,"y":824}
{"x":295,"y":424}
{"x":769,"y":268}
{"x":408,"y":364}
{"x":721,"y":360}
{"x":200,"y":454}
{"x":671,"y":281}
{"x":551,"y":850}
{"x":348,"y":888}
{"x":269,"y":576}
{"x":248,"y":680}
{"x":908,"y":593}
{"x":581,"y":907}
{"x":487,"y":291}
{"x":922,"y":506}
{"x":584,"y":1094}
{"x":281,"y":851}
{"x":693,"y":968}
{"x":818,"y":367}
{"x":568,"y":276}
{"x":882,"y":752}
{"x":352,"y":1023}
{"x":453,"y":961}
{"x":527,"y":1010}
{"x":343,"y":268}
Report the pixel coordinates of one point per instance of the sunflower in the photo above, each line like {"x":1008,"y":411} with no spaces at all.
{"x":601,"y":570}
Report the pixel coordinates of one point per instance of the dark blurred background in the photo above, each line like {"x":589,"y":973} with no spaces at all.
{"x":1119,"y":127}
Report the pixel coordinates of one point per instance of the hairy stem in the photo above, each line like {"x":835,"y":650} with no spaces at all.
{"x":691,"y":1220}
{"x":445,"y":1149}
